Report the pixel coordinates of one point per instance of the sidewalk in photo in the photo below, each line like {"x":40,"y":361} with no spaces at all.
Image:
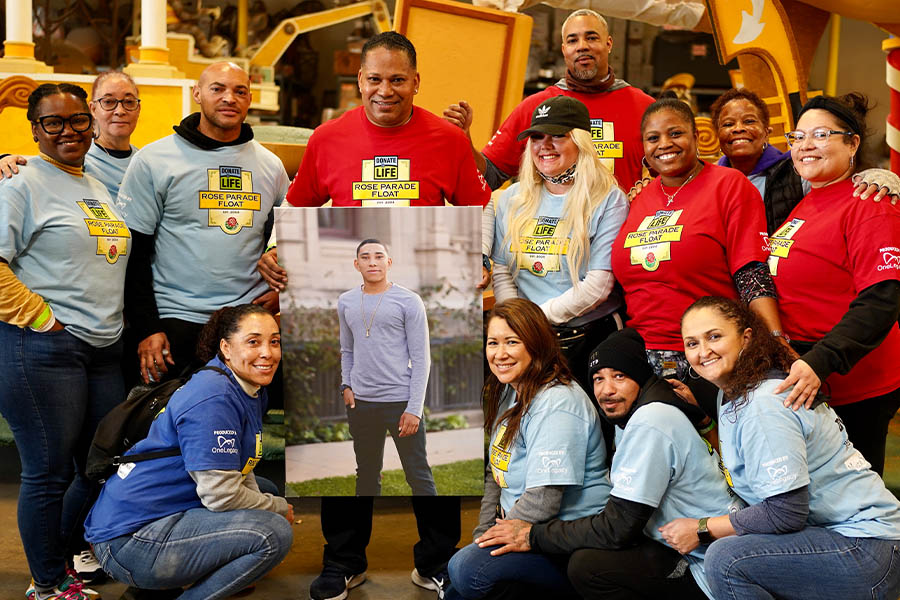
{"x":336,"y":459}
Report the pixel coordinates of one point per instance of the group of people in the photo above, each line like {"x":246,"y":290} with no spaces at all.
{"x":762,"y":304}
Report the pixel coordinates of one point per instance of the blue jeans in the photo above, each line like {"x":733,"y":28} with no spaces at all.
{"x":217,"y":553}
{"x":368,"y":423}
{"x":474,"y":572}
{"x":812,"y":563}
{"x":54,"y":389}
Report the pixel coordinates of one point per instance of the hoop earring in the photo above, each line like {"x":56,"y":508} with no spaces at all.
{"x":765,"y":145}
{"x":644,"y":163}
{"x":692,"y":373}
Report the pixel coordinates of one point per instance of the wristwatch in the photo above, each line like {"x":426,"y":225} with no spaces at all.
{"x":486,"y":262}
{"x":344,"y":386}
{"x":703,"y":533}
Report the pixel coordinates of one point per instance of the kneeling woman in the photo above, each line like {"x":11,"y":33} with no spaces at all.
{"x":821,"y":523}
{"x":199,"y":518}
{"x":547,"y":458}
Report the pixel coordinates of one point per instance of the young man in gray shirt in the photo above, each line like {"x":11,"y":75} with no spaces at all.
{"x":385,"y":361}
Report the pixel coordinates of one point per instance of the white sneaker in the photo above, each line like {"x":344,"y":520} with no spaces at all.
{"x":437,"y":582}
{"x":86,"y":566}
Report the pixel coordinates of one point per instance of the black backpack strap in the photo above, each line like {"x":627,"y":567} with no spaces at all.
{"x":141,"y":457}
{"x":135,"y":458}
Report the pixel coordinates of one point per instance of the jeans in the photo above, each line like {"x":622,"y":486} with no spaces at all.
{"x":812,"y":563}
{"x":217,"y":553}
{"x":347,"y":527}
{"x":474,"y":573}
{"x":54,"y":389}
{"x":368,"y":421}
{"x":647,"y":570}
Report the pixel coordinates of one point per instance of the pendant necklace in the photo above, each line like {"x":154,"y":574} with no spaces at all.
{"x":671,"y":197}
{"x":362,"y":309}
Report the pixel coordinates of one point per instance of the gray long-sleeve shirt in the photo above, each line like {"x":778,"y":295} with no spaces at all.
{"x":393,"y":362}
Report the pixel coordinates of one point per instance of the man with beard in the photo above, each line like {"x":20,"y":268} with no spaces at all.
{"x":615,"y":107}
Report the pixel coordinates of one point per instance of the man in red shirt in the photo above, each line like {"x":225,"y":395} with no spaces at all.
{"x":615,"y":107}
{"x":388,"y":152}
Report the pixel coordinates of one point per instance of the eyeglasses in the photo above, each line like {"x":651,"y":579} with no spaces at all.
{"x":53,"y":124}
{"x":109,"y":103}
{"x":819,"y":136}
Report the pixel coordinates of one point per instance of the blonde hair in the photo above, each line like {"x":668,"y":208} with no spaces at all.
{"x":593,"y":182}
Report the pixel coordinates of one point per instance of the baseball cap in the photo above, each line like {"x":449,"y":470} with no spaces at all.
{"x":557,"y":116}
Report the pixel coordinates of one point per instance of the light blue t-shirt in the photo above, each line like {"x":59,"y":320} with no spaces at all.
{"x":559,"y":443}
{"x":108,"y":169}
{"x":543,"y":273}
{"x":214,"y":423}
{"x":662,"y":461}
{"x":208,"y":210}
{"x":768,"y":449}
{"x":392,"y":363}
{"x":64,"y":239}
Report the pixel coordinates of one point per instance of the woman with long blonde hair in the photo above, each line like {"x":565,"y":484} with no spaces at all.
{"x":554,"y":230}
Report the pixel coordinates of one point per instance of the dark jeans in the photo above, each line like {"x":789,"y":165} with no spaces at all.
{"x":54,"y":389}
{"x":475,"y":574}
{"x":867,"y":424}
{"x":368,"y":423}
{"x":347,"y":527}
{"x":636,"y":573}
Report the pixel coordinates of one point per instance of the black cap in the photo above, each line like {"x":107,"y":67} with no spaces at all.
{"x":623,"y":351}
{"x":558,"y":116}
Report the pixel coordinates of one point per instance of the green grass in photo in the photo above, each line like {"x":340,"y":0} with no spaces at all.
{"x":461,"y":478}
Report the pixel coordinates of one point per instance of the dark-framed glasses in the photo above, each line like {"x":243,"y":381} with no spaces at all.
{"x":819,"y":135}
{"x":109,"y":103}
{"x":54,"y":124}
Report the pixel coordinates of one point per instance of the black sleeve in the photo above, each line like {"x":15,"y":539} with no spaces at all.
{"x":267,"y":229}
{"x":863,"y":327}
{"x":140,"y":303}
{"x":619,"y":525}
{"x":781,"y":513}
{"x":494,"y":176}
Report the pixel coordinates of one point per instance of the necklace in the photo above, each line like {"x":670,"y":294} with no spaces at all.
{"x":671,"y":197}
{"x":363,"y":310}
{"x":564,"y":177}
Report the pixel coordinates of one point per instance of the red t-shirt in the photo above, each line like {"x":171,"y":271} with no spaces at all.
{"x":615,"y":128}
{"x":832,"y":247}
{"x":419,"y":163}
{"x":666,"y":257}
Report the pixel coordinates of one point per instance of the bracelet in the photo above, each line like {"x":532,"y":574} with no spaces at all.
{"x":708,"y":428}
{"x":44,"y":321}
{"x":778,"y":333}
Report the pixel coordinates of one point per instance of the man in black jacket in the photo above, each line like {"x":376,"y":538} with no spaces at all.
{"x":663,"y":469}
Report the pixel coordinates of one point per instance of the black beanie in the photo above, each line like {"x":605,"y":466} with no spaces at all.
{"x":623,"y":351}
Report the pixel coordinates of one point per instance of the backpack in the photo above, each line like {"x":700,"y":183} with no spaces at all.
{"x":127,"y":424}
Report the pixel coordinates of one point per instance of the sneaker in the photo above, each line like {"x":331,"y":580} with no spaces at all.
{"x":334,"y":584}
{"x":87,"y":568}
{"x":437,"y":582}
{"x":71,"y":588}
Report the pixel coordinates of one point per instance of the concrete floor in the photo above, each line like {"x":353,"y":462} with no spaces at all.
{"x":389,"y":554}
